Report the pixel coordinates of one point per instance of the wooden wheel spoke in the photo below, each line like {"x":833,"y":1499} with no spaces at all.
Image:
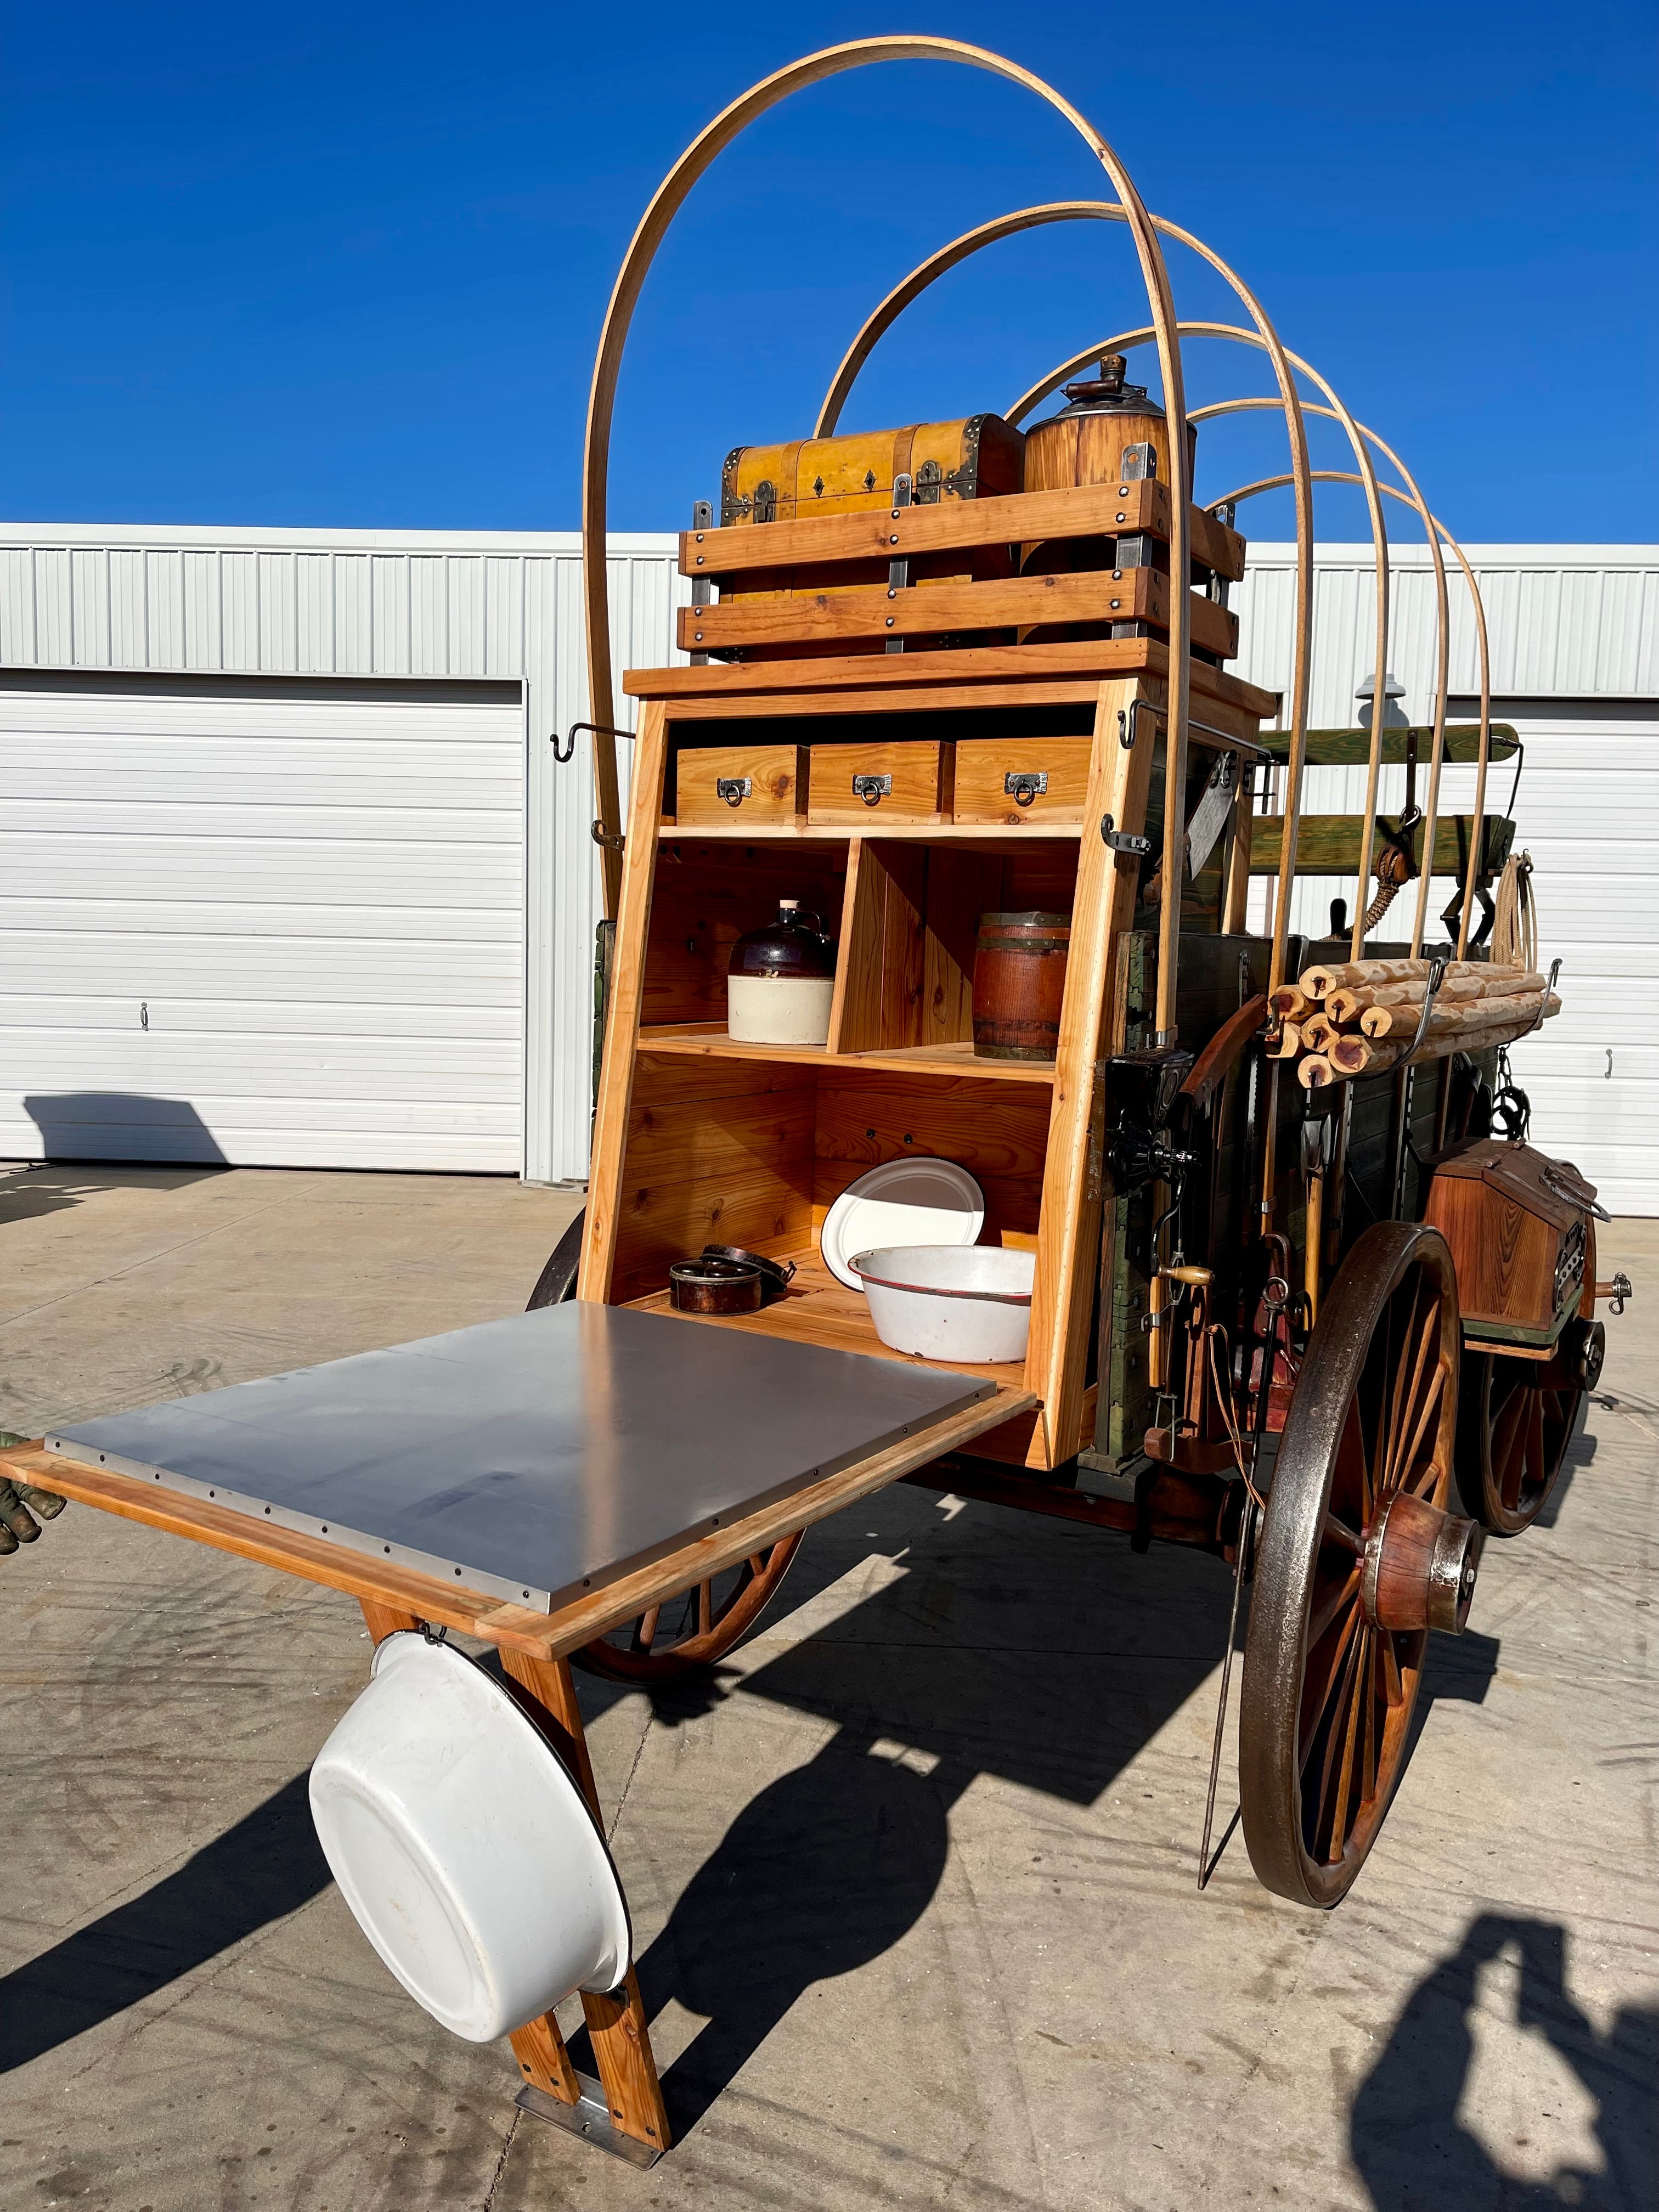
{"x":1430,"y":1402}
{"x":645,"y":1628}
{"x":1505,"y":1430}
{"x":1394,"y":1682}
{"x":1427,"y":1481}
{"x":1337,"y":1744}
{"x":1314,"y":1713}
{"x":1347,"y":1593}
{"x":1339,"y":1533}
{"x":1535,"y":1439}
{"x":1350,"y":1477}
{"x":1357,"y":1696}
{"x":1409,"y":1424}
{"x":1404,"y":1374}
{"x":705,"y":1608}
{"x":1374,"y":1693}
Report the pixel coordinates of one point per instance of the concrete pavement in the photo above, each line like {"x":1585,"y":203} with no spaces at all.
{"x":913,"y":1878}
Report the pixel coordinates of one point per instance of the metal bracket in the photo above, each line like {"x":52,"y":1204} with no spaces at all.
{"x":564,"y":750}
{"x":733,"y":789}
{"x":1223,"y":739}
{"x":872,"y":789}
{"x":590,"y":2115}
{"x":1437,"y":977}
{"x":608,"y":838}
{"x":1555,"y":971}
{"x":1126,"y":720}
{"x":702,"y":587}
{"x":1123,"y":840}
{"x":1026,"y":785}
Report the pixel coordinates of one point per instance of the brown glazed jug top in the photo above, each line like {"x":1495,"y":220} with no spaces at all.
{"x":793,"y":946}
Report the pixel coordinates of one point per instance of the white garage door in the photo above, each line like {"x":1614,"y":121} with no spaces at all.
{"x":1588,"y":813}
{"x":275,"y":922}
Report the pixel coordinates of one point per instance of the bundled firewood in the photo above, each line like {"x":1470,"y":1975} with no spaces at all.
{"x":1345,"y":1007}
{"x":1362,"y":1016}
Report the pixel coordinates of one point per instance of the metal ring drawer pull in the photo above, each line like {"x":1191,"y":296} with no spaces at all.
{"x":872,"y":789}
{"x":1024,"y":785}
{"x":733,"y":789}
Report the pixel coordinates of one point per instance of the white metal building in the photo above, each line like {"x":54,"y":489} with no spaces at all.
{"x":287,"y":875}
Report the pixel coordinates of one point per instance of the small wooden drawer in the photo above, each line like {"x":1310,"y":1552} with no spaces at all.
{"x":740,"y":783}
{"x":855,"y":785}
{"x":1021,"y":780}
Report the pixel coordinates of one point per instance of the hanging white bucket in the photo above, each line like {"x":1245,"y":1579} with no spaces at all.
{"x":464,"y":1849}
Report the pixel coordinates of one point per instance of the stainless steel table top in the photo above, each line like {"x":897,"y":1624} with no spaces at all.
{"x":532,"y":1458}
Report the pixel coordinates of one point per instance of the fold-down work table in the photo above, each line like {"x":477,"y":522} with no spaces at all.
{"x":532,"y":1482}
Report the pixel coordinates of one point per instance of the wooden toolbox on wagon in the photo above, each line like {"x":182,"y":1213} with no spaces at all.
{"x":1515,"y":1222}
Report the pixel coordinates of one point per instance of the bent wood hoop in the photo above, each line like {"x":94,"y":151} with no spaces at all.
{"x":670,"y":195}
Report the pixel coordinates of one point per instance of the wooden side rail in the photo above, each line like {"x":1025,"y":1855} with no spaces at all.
{"x":1091,"y":662}
{"x":1353,"y":748}
{"x":1328,"y":844}
{"x":957,"y":525}
{"x":1100,"y":596}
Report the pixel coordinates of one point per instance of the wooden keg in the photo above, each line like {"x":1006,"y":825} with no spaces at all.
{"x":1112,"y":432}
{"x":1019,"y":981}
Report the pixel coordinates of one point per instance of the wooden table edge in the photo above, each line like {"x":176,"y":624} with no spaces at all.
{"x":511,"y":1627}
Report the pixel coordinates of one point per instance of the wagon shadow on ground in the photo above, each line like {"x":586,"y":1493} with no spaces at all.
{"x":1409,"y":2141}
{"x":1034,"y":1650}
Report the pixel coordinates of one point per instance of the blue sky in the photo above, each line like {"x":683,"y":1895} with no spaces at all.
{"x":345,"y":265}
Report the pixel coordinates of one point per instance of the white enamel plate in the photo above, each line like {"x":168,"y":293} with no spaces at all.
{"x":910,"y":1201}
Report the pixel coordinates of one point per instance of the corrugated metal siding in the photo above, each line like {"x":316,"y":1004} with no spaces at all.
{"x":360,"y":603}
{"x":1564,"y":622}
{"x":1568,"y":622}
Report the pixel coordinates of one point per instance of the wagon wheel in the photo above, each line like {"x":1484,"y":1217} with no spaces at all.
{"x":703,"y":1625}
{"x":695,"y":1628}
{"x":1516,"y":1417}
{"x":1358,"y":1559}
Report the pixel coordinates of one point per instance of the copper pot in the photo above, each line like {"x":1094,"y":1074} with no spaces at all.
{"x":714,"y":1286}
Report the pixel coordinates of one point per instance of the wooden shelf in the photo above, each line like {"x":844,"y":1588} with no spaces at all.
{"x":708,"y":1040}
{"x":988,"y":834}
{"x":818,"y":1309}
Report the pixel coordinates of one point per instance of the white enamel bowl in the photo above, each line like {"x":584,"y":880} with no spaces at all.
{"x":949,"y":1302}
{"x":463,"y":1847}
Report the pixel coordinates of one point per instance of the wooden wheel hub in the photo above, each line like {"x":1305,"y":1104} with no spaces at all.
{"x":1418,"y":1567}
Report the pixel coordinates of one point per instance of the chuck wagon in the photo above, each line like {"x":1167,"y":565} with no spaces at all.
{"x":1295,"y":1289}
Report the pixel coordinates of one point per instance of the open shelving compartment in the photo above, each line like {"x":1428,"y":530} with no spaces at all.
{"x":751,"y":1144}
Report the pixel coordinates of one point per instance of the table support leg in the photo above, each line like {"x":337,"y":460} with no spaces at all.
{"x":544,"y":2060}
{"x":617,"y":2025}
{"x":539,"y":2048}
